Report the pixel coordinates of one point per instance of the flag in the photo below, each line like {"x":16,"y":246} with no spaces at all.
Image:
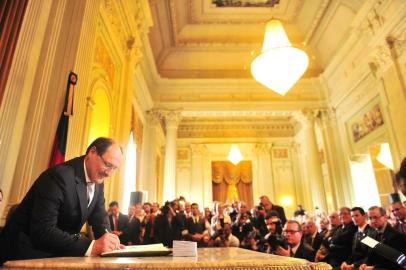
{"x":59,"y":146}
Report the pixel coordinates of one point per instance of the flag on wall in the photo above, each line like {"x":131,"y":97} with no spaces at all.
{"x":59,"y":146}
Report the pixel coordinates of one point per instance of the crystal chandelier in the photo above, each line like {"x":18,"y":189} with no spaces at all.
{"x":235,"y":155}
{"x":279,"y":66}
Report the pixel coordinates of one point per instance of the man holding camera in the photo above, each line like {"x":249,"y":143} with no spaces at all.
{"x":293,"y":234}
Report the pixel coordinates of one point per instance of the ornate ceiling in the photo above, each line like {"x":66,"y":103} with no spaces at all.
{"x":202,"y":55}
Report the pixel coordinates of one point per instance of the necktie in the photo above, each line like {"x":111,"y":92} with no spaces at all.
{"x":403,"y":227}
{"x":115,"y":223}
{"x":379,"y":237}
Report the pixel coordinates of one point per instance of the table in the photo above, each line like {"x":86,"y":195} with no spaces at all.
{"x":208,"y":258}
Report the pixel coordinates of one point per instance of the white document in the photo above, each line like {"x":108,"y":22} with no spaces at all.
{"x":139,"y":250}
{"x":184,"y":249}
{"x":370,"y":242}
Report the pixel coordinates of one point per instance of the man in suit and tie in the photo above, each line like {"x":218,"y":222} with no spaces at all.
{"x":385,"y":234}
{"x":359,"y":251}
{"x":47,"y":222}
{"x":118,"y":221}
{"x":195,"y":228}
{"x":297,"y":249}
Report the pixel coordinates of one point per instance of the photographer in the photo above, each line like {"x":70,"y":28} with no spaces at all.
{"x":293,"y":233}
{"x":242,"y":226}
{"x":167,"y":226}
{"x":273,"y":239}
{"x":225,"y":238}
{"x":252,"y":241}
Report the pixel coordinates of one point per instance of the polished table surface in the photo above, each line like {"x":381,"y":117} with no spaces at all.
{"x":208,"y":258}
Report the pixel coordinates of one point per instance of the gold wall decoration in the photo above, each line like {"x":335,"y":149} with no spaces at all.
{"x":102,"y":57}
{"x":280,"y":153}
{"x":138,"y":129}
{"x":182,"y":154}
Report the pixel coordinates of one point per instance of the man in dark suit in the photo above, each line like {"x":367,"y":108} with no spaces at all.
{"x":399,"y":211}
{"x":269,"y":208}
{"x":293,"y":234}
{"x":118,"y":221}
{"x":311,"y":236}
{"x":47,"y":222}
{"x":384,"y":234}
{"x":195,"y":228}
{"x":359,"y":251}
{"x":340,"y":243}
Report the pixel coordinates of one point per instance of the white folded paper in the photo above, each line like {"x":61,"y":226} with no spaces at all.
{"x":184,"y":249}
{"x":138,"y":250}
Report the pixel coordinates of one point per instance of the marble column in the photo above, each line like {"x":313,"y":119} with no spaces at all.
{"x":339,"y":178}
{"x":265,"y":182}
{"x":302,"y":187}
{"x":313,"y":165}
{"x":148,"y":173}
{"x":196,"y":190}
{"x":172,"y":119}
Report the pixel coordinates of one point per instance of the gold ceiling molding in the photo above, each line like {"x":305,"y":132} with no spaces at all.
{"x":236,"y":131}
{"x":316,"y":21}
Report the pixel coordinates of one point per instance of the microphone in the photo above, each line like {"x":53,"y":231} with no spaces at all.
{"x":385,"y":251}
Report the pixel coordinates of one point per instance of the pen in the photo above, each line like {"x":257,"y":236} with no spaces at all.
{"x":107,"y":231}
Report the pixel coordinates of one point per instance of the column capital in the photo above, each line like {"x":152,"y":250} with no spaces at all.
{"x":198,"y":149}
{"x":154,"y":117}
{"x":326,"y":114}
{"x":172,"y":118}
{"x":262,"y":148}
{"x":306,"y":117}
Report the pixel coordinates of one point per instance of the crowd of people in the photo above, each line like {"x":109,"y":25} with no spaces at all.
{"x":47,"y":222}
{"x":334,"y":238}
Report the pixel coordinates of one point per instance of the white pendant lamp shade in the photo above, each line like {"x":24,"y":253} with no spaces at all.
{"x":385,"y":156}
{"x":235,"y":155}
{"x":279,"y":66}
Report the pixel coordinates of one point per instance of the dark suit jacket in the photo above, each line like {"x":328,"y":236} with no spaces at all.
{"x":193,"y":228}
{"x":314,"y":243}
{"x":132,"y":232}
{"x":305,"y":251}
{"x":392,"y":238}
{"x":48,"y":220}
{"x":340,"y":244}
{"x":165,"y":233}
{"x":359,"y":251}
{"x":122,"y":225}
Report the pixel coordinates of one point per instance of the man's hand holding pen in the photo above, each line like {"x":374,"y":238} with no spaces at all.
{"x":105,"y":243}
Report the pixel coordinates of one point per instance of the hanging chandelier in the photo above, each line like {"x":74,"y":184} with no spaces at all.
{"x":279,"y":66}
{"x":235,"y":155}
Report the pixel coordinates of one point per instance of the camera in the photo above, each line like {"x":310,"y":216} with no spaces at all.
{"x":276,"y":241}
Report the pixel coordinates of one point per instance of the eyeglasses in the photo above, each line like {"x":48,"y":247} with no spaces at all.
{"x":395,"y":210}
{"x":290,"y":231}
{"x":107,"y":164}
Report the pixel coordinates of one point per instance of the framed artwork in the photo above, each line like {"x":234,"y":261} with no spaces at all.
{"x":366,"y":121}
{"x":245,"y":3}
